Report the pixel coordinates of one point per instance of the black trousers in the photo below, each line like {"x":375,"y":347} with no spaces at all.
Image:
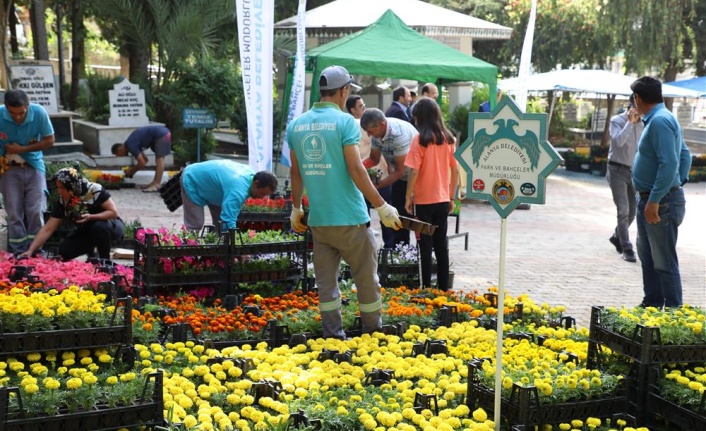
{"x":94,"y":234}
{"x":437,"y":214}
{"x":396,"y":198}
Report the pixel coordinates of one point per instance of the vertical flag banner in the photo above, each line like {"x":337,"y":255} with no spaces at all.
{"x":526,"y":59}
{"x":296,"y":98}
{"x":256,"y":23}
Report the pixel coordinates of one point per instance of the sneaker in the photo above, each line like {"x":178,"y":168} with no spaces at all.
{"x":629,"y":255}
{"x":616,"y":243}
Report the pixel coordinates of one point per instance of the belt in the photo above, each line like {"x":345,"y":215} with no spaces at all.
{"x":16,"y":164}
{"x":645,"y":195}
{"x":620,"y":165}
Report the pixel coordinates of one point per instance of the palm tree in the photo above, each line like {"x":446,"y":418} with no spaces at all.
{"x":166,"y":31}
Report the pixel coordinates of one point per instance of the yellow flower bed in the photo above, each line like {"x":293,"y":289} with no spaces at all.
{"x":23,"y":311}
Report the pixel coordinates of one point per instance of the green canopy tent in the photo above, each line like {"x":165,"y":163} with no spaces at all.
{"x":390,"y":48}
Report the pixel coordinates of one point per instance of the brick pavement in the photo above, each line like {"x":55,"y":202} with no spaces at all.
{"x":557,"y":253}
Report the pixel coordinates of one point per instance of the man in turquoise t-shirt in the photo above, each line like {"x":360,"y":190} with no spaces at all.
{"x":326,"y":161}
{"x":223,"y":186}
{"x":25,"y":131}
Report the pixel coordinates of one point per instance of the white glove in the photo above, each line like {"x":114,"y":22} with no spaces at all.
{"x":389,"y":216}
{"x":295,"y":220}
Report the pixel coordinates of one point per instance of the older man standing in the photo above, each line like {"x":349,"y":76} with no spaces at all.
{"x":391,"y":139}
{"x":25,"y":130}
{"x":661,"y":167}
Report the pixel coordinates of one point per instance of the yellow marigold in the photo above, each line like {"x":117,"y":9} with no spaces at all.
{"x":31,"y":388}
{"x":74,"y":383}
{"x":480,"y":415}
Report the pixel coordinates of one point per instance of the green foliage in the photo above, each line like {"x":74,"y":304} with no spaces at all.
{"x":214,"y":84}
{"x":95,"y":103}
{"x":458,"y":118}
{"x":211,"y":84}
{"x":653,"y":32}
{"x":186,"y":147}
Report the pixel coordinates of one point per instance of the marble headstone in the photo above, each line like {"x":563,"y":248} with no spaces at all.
{"x":127,"y":105}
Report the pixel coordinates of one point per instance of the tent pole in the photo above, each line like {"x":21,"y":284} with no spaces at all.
{"x":551,"y":109}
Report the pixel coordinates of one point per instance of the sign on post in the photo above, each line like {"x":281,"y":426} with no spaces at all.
{"x":198,"y":118}
{"x":507,"y":157}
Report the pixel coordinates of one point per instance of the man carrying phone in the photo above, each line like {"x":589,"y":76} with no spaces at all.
{"x":625,"y":131}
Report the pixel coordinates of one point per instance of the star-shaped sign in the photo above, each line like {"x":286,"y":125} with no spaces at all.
{"x":507,"y":157}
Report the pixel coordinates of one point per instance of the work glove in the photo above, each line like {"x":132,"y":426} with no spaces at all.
{"x":295,"y":220}
{"x":389,"y":216}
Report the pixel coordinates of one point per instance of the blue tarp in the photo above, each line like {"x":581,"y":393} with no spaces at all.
{"x":696,"y":84}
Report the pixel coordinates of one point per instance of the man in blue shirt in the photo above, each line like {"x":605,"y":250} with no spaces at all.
{"x":223,"y":186}
{"x":25,"y":130}
{"x":325,"y":159}
{"x":155,"y":137}
{"x":660,"y":168}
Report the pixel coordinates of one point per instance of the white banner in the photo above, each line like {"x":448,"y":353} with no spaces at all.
{"x":526,"y":59}
{"x":256,"y":22}
{"x":296,"y":98}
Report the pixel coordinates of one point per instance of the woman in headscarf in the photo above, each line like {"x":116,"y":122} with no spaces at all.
{"x":91,"y":208}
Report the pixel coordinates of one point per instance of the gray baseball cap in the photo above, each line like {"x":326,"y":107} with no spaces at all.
{"x":334,"y":77}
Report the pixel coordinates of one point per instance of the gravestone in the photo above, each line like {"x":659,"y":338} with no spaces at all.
{"x":127,"y":105}
{"x":584,"y":108}
{"x":684,"y":114}
{"x":569,"y":113}
{"x":36,"y":79}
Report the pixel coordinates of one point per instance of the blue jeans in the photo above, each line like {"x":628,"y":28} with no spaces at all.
{"x":657,"y":249}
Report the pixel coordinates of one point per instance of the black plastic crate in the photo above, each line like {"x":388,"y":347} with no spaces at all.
{"x":675,"y":414}
{"x":645,"y":345}
{"x":147,"y":411}
{"x":523,"y":406}
{"x":117,"y":334}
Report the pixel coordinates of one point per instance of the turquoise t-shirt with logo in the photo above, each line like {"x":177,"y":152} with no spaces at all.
{"x":317,"y":137}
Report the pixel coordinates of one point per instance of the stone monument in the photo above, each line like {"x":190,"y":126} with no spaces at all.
{"x":127,"y":105}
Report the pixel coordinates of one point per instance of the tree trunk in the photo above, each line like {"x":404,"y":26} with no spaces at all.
{"x":609,"y":113}
{"x":670,"y":74}
{"x":139,"y":61}
{"x":12,"y":18}
{"x":78,"y":65}
{"x":39,"y":30}
{"x":7,"y":6}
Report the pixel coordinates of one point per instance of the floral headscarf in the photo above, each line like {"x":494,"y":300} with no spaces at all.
{"x":72,"y":180}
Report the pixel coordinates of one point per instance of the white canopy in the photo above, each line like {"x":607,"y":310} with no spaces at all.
{"x":424,"y":17}
{"x":587,"y":81}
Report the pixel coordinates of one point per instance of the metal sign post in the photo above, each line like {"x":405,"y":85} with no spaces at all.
{"x":507,"y":157}
{"x":198,"y":118}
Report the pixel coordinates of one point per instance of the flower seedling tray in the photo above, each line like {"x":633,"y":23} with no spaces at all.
{"x":242,"y":276}
{"x":644,"y":346}
{"x":268,"y":247}
{"x":147,"y":411}
{"x":16,"y":343}
{"x":523,"y":406}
